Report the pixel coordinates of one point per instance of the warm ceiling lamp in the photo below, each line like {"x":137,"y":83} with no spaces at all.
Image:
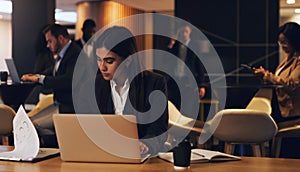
{"x":297,"y":10}
{"x":290,"y":1}
{"x":5,"y":7}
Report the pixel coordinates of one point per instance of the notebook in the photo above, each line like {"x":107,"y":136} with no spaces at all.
{"x":13,"y":71}
{"x":201,"y":155}
{"x":98,"y":138}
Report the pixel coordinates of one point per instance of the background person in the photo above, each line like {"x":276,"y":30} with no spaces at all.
{"x":287,"y":74}
{"x":88,"y":30}
{"x":60,"y":80}
{"x":180,"y":48}
{"x":44,"y":64}
{"x":286,"y":99}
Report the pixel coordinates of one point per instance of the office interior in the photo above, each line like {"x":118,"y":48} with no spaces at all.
{"x":242,"y":32}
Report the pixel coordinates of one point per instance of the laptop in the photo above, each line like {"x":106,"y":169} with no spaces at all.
{"x":98,"y":138}
{"x":13,"y":72}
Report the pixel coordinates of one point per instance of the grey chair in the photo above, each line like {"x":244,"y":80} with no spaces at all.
{"x":285,"y":130}
{"x":7,"y":115}
{"x":252,"y":125}
{"x":243,"y":126}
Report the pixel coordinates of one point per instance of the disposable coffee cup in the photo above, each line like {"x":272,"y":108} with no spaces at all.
{"x":182,"y":155}
{"x":3,"y":76}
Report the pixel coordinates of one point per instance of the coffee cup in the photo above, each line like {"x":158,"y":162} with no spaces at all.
{"x":182,"y":155}
{"x":3,"y":76}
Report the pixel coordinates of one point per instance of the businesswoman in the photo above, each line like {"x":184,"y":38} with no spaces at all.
{"x":287,"y":75}
{"x":115,"y":94}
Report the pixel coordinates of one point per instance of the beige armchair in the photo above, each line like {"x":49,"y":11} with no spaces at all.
{"x":181,"y":126}
{"x":285,"y":130}
{"x":252,"y":125}
{"x":42,"y":104}
{"x":7,"y":115}
{"x":243,"y":126}
{"x":41,"y":117}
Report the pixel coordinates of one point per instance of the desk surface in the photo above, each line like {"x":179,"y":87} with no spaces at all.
{"x":247,"y":164}
{"x":15,"y":94}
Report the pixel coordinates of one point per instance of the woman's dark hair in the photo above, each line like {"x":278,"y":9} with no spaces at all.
{"x":291,"y":31}
{"x":121,"y":41}
{"x":118,"y":40}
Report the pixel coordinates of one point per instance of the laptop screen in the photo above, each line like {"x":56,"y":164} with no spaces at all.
{"x":12,"y":70}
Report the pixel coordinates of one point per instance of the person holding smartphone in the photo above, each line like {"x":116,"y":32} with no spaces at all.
{"x":287,"y":75}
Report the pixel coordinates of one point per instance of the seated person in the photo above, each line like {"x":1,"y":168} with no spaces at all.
{"x":122,"y":88}
{"x":286,"y":99}
{"x":287,"y":74}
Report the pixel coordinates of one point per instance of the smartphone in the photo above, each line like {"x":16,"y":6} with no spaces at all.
{"x":247,"y":67}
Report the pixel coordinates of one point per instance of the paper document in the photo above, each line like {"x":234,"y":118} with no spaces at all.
{"x":202,"y":155}
{"x":26,"y":139}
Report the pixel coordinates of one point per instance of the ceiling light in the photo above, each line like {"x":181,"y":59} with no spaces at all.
{"x":6,"y":7}
{"x":297,"y":10}
{"x":66,"y":16}
{"x":57,"y":10}
{"x":290,"y":1}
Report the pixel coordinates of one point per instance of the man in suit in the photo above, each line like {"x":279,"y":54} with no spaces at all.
{"x":180,"y":48}
{"x":58,"y":41}
{"x":88,"y":30}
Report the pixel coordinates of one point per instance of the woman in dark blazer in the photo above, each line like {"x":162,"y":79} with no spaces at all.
{"x":122,"y":88}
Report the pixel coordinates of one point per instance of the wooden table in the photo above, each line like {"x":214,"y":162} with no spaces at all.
{"x":247,"y":164}
{"x":15,"y":94}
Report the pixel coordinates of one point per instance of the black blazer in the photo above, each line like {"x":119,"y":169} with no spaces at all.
{"x":191,"y":60}
{"x":79,"y":43}
{"x":155,"y":132}
{"x":61,"y":83}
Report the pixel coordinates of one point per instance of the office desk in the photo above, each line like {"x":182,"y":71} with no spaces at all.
{"x":247,"y":164}
{"x":15,"y":94}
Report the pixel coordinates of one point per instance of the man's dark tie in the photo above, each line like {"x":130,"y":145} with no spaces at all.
{"x":55,"y":65}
